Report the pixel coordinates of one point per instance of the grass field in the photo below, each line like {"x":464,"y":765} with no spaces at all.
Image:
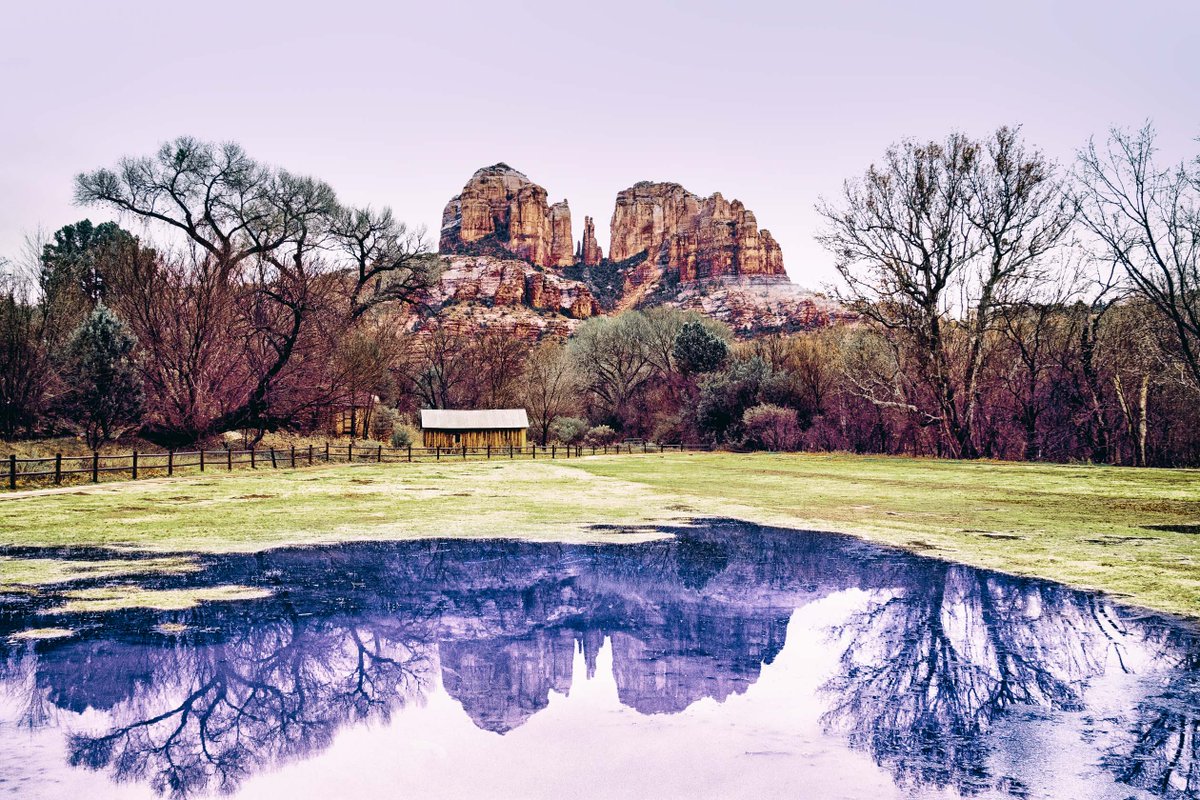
{"x":1133,"y":533}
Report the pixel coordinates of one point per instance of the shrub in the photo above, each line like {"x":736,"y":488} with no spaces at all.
{"x":725,"y":397}
{"x":697,"y":349}
{"x":568,"y":430}
{"x":383,"y":422}
{"x":403,"y":436}
{"x":771,"y":427}
{"x":105,"y":394}
{"x":599,"y":436}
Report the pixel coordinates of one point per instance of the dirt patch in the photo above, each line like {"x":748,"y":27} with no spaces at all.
{"x":1187,"y":529}
{"x":254,"y":497}
{"x":1120,"y":540}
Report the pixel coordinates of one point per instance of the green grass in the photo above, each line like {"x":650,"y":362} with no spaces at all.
{"x":244,"y":511}
{"x":1083,"y":525}
{"x":1088,"y":526}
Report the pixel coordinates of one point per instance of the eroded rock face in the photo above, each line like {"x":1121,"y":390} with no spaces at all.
{"x":688,"y":237}
{"x":561,"y":254}
{"x":590,"y":254}
{"x":507,"y":283}
{"x":508,"y":252}
{"x":501,"y":206}
{"x":754,"y":306}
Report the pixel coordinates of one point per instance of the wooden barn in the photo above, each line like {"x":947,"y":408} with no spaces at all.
{"x":498,"y":427}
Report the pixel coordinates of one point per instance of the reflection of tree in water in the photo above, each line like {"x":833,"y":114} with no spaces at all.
{"x":355,"y":631}
{"x":1159,"y":752}
{"x":218,"y":713}
{"x":927,"y":670}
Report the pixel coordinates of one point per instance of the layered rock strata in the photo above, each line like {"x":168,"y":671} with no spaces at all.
{"x":691,"y":237}
{"x":589,"y":253}
{"x":502,"y":206}
{"x":495,"y":282}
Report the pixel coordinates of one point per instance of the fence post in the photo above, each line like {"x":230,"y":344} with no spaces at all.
{"x":12,"y":472}
{"x":379,"y":455}
{"x":253,"y":463}
{"x":95,"y":466}
{"x":437,"y":452}
{"x":293,"y":456}
{"x":326,"y":451}
{"x":554,"y":451}
{"x":350,"y":452}
{"x":273,"y":465}
{"x":202,"y":458}
{"x":310,"y":449}
{"x":170,"y":462}
{"x":464,"y":452}
{"x":489,"y":451}
{"x":533,"y":451}
{"x":58,"y":467}
{"x":510,"y":451}
{"x":135,"y":465}
{"x":228,"y":458}
{"x":410,"y":452}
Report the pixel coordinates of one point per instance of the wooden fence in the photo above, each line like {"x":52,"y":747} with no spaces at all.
{"x":61,"y":469}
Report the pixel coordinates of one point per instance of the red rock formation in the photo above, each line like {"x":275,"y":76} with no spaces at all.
{"x":509,"y":283}
{"x":690,"y":237}
{"x":589,"y":253}
{"x":560,"y":236}
{"x":503,"y":205}
{"x":706,"y":254}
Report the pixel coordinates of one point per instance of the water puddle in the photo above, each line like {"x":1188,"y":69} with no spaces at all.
{"x":729,"y":661}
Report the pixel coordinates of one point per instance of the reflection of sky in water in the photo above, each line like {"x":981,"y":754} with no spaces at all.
{"x":733,"y":662}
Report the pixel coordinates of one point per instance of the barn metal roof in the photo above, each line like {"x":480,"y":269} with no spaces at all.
{"x":469,"y":420}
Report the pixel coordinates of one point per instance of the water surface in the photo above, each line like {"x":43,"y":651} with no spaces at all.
{"x":728,"y":661}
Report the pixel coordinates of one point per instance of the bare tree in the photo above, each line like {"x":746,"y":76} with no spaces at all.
{"x":439,"y":366}
{"x":549,"y":386}
{"x":1021,"y":209}
{"x":615,"y":359}
{"x":26,"y":374}
{"x":1147,"y":219}
{"x":260,"y":245}
{"x":391,"y":263}
{"x":928,"y":244}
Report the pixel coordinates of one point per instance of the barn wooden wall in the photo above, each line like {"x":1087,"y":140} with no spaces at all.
{"x":483,"y":438}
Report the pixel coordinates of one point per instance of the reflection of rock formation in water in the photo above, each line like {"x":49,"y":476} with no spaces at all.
{"x":353,"y":632}
{"x":665,"y":674}
{"x":502,"y":684}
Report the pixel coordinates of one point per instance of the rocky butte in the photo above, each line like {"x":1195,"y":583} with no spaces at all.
{"x":506,"y":247}
{"x":500,"y":207}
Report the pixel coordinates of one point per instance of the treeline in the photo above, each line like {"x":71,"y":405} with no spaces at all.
{"x":1007,"y":307}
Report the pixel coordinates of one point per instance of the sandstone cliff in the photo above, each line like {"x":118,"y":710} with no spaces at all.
{"x":590,"y":254}
{"x":689,"y":237}
{"x":501,"y":209}
{"x":508,"y":252}
{"x":497,"y":282}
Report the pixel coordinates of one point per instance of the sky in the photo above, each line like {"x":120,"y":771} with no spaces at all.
{"x":397,"y":103}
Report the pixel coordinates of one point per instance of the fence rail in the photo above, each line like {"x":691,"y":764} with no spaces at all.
{"x":60,"y":469}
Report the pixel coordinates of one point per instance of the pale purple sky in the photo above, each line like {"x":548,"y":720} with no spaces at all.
{"x":398,"y":103}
